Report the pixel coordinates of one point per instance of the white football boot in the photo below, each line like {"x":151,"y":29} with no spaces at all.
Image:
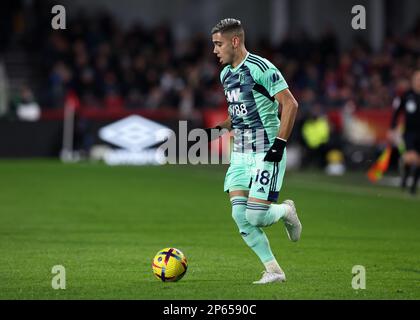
{"x":269,"y":277}
{"x":292,"y":222}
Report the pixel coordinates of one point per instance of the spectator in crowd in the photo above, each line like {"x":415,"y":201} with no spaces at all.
{"x":316,"y":136}
{"x":146,"y":68}
{"x":25,"y":107}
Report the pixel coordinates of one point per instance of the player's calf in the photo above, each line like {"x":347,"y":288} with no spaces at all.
{"x":256,"y":214}
{"x":253,"y":236}
{"x":264,"y":215}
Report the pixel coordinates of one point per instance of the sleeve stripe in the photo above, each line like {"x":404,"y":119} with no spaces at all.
{"x":255,"y":60}
{"x":258,"y":65}
{"x":259,"y":60}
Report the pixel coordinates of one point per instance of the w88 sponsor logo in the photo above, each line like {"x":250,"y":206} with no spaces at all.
{"x":238,"y":110}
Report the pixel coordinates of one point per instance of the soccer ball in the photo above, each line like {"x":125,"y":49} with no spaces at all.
{"x":169,"y":264}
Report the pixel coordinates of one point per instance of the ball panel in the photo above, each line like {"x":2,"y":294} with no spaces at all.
{"x":169,"y":265}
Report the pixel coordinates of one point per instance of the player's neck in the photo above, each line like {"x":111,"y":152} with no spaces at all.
{"x":239,"y":58}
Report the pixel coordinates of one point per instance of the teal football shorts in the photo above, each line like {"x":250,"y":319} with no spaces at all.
{"x":249,"y":171}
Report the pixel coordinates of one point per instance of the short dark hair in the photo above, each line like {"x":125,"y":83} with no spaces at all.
{"x":229,"y":25}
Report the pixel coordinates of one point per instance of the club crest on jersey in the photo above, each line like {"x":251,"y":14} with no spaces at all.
{"x":233,"y":95}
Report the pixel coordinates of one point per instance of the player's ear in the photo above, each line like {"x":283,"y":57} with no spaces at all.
{"x":235,"y":42}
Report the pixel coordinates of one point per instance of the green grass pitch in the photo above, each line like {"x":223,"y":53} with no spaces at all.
{"x":105,"y":224}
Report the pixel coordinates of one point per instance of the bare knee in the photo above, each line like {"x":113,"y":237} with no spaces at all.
{"x":238,"y":193}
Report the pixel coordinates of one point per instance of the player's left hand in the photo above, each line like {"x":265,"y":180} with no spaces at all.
{"x":275,"y":153}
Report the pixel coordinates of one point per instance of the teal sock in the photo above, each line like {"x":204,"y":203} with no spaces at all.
{"x":263,"y":215}
{"x":253,"y":236}
{"x":277,"y":212}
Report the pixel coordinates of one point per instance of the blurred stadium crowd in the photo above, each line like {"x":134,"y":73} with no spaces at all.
{"x":146,"y":68}
{"x":109,"y":67}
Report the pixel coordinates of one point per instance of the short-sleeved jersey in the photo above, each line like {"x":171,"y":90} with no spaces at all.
{"x":408,"y":104}
{"x":249,"y":89}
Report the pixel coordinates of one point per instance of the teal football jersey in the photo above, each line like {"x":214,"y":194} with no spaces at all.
{"x":249,"y":89}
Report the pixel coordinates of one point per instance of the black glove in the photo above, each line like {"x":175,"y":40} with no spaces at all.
{"x":209,"y":134}
{"x":275,"y":153}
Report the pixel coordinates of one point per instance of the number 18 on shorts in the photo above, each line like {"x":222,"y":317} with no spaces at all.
{"x":249,"y":171}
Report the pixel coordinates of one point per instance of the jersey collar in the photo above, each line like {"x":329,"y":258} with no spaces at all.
{"x":239,"y":65}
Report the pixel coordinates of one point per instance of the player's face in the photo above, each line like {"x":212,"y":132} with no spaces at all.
{"x":223,"y":48}
{"x":416,"y":82}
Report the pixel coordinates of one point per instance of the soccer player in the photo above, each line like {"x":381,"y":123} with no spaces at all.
{"x":254,"y":89}
{"x":409,"y":105}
